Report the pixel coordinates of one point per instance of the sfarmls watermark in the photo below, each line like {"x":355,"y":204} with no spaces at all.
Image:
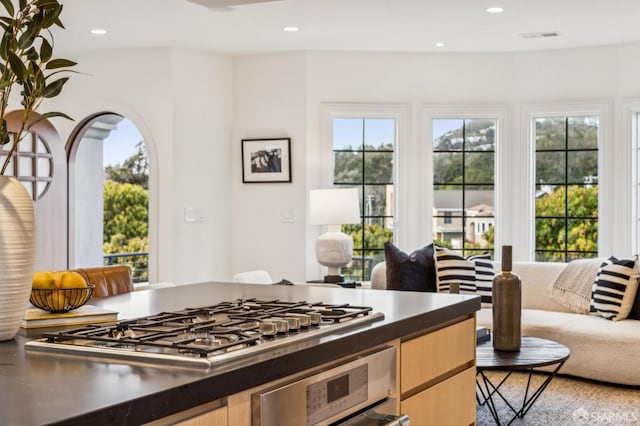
{"x":583,"y":416}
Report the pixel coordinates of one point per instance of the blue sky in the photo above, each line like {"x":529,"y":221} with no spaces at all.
{"x":121,"y":143}
{"x":444,"y":125}
{"x":347,"y":132}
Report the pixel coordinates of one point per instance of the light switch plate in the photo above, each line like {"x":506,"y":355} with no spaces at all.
{"x":288,"y":215}
{"x":193,"y":214}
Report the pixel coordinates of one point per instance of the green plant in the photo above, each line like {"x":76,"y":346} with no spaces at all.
{"x":126,"y":211}
{"x":134,"y":170}
{"x":27,"y":64}
{"x":558,"y":236}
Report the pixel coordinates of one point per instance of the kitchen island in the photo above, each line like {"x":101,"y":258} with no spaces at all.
{"x":43,"y":388}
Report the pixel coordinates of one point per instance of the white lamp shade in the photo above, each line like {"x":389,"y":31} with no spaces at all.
{"x":334,"y":206}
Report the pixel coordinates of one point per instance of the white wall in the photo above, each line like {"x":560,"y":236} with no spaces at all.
{"x":270,"y":96}
{"x":181,"y":103}
{"x":201,"y":99}
{"x":513,"y":80}
{"x":86,"y":191}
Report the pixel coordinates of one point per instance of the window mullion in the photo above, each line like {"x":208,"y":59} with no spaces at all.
{"x":362,"y":185}
{"x":464,"y":183}
{"x":566,"y":191}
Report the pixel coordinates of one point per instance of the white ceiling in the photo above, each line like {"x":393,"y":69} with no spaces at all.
{"x":362,"y":25}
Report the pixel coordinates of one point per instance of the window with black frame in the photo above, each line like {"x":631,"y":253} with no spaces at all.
{"x":464,"y":184}
{"x":635,"y":134}
{"x":363,"y":150}
{"x":566,"y":197}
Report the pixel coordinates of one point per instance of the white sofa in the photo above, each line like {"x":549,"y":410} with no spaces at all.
{"x":601,"y":349}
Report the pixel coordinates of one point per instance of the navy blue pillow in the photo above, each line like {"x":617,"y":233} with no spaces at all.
{"x":411,"y":272}
{"x":635,"y":309}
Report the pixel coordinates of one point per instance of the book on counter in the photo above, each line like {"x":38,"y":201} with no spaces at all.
{"x":482,"y":334}
{"x":86,"y":314}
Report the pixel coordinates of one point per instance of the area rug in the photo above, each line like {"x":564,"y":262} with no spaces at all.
{"x":567,"y":401}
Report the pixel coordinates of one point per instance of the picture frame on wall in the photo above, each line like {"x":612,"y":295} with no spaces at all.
{"x":266,"y":160}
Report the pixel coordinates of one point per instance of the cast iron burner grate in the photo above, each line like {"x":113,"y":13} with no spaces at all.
{"x":216,"y":333}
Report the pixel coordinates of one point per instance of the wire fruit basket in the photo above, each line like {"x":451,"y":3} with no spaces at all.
{"x":60,"y":299}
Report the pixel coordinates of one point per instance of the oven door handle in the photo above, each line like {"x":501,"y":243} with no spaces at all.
{"x":380,"y":414}
{"x":390,"y":420}
{"x":402,"y":420}
{"x":371,"y":417}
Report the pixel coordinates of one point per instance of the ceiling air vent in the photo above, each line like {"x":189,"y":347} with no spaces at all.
{"x":217,"y":4}
{"x":545,"y":34}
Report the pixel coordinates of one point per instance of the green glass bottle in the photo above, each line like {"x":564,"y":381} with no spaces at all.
{"x":507,"y":306}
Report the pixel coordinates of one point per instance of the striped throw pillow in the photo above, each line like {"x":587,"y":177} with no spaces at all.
{"x":614,"y":289}
{"x":474,"y":273}
{"x":484,"y":277}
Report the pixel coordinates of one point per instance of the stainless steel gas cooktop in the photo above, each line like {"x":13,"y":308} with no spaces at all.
{"x":209,"y":335}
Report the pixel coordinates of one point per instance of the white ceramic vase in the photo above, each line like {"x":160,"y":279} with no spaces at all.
{"x":17,"y":254}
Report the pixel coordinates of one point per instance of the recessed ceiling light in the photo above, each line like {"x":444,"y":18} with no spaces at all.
{"x":439,"y":44}
{"x":290,"y":29}
{"x":496,"y":9}
{"x":98,"y":31}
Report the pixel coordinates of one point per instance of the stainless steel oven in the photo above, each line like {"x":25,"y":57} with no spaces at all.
{"x":353,"y":393}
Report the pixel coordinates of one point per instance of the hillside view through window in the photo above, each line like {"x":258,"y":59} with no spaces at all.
{"x":566,"y":187}
{"x":463,"y":184}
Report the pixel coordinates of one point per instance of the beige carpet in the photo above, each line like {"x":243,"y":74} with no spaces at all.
{"x":566,"y":401}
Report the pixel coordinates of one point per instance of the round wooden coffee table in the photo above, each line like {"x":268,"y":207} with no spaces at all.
{"x":534,"y":352}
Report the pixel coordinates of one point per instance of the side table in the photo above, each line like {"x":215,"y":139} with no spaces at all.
{"x":534,"y":352}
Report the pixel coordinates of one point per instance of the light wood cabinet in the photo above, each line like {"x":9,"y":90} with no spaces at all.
{"x":216,"y":417}
{"x":450,"y":402}
{"x":437,"y":376}
{"x":214,"y":413}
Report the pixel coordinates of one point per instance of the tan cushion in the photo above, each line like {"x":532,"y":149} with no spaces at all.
{"x":108,"y":280}
{"x":537,"y":279}
{"x":600,"y":349}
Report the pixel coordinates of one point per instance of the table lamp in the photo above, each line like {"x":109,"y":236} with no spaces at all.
{"x":334,"y":207}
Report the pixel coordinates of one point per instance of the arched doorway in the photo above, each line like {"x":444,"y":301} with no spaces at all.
{"x":92,"y":223}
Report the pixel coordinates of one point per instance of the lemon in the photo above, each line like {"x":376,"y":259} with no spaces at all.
{"x":43,"y":279}
{"x":71,"y":279}
{"x":56,"y":300}
{"x":56,"y":278}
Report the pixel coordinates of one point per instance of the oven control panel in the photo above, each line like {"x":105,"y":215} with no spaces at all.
{"x":336,"y":394}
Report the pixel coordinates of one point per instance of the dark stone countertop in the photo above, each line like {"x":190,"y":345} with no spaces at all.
{"x":40,"y":388}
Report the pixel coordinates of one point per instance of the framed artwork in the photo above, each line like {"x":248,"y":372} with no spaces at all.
{"x":266,"y":160}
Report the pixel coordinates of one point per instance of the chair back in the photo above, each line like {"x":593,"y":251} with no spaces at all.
{"x":253,"y":277}
{"x":108,"y":280}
